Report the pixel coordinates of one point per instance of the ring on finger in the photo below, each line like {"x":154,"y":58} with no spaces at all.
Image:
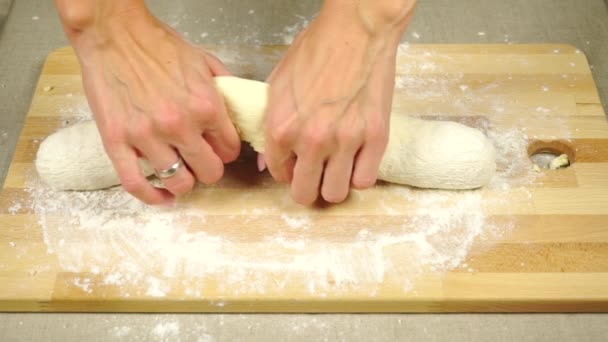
{"x":171,"y":171}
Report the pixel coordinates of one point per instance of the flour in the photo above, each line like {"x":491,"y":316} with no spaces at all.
{"x":84,"y":284}
{"x":166,"y":331}
{"x":121,"y":331}
{"x":155,"y":288}
{"x":290,"y":32}
{"x":145,"y":249}
{"x":14,"y":209}
{"x":76,"y":113}
{"x":410,"y":82}
{"x":296,"y":222}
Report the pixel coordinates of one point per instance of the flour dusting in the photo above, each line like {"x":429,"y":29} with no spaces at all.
{"x":166,"y":331}
{"x":121,"y":331}
{"x":290,"y":32}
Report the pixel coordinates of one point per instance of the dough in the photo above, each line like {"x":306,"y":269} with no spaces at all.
{"x":74,"y":159}
{"x":426,"y":154}
{"x":559,"y":162}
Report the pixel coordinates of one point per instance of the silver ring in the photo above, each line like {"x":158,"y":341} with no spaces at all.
{"x":171,"y":171}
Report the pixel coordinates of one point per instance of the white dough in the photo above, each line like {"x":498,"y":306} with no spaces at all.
{"x":426,"y":154}
{"x":74,"y":159}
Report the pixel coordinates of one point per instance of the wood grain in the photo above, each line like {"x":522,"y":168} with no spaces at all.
{"x":554,"y":258}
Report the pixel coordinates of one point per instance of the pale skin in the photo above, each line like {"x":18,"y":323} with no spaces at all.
{"x":153,"y":97}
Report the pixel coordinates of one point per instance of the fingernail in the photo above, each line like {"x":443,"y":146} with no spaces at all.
{"x":261,"y":163}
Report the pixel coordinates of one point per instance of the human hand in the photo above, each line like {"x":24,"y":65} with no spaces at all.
{"x":329,"y":106}
{"x":153,"y":97}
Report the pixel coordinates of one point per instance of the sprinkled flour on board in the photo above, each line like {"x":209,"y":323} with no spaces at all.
{"x":393,"y":233}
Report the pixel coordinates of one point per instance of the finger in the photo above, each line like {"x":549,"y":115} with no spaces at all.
{"x":133,"y":180}
{"x":162,"y":157}
{"x":224,"y":141}
{"x":216,"y":66}
{"x":219,"y":131}
{"x":367,"y":163}
{"x":369,"y":157}
{"x":306,"y":179}
{"x":207,"y":167}
{"x":337,"y":175}
{"x":280,"y":162}
{"x":280,"y":136}
{"x":261,"y":162}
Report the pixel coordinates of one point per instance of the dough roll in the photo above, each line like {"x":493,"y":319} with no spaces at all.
{"x":420,"y":153}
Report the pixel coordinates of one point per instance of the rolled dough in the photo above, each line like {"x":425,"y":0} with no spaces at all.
{"x":426,"y":154}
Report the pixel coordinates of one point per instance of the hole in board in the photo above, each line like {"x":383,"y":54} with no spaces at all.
{"x":553,"y":155}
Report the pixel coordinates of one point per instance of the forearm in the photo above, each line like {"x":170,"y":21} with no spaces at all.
{"x":79,"y":15}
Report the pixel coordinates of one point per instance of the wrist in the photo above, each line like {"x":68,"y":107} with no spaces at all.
{"x":79,"y":16}
{"x":377,"y":17}
{"x":378,"y":24}
{"x":385,"y":15}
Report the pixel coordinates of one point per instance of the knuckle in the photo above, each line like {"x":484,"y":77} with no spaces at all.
{"x":350,"y":135}
{"x":171,"y":120}
{"x":317,"y":139}
{"x":204,"y":108}
{"x":281,"y":135}
{"x":141,"y":130}
{"x":377,"y":130}
{"x":113,"y":139}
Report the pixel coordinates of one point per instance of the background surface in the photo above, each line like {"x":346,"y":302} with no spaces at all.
{"x":30,"y":29}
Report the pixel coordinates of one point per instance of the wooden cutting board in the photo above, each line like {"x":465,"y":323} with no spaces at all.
{"x":537,"y":243}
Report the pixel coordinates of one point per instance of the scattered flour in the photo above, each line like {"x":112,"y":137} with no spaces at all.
{"x":76,"y":113}
{"x":166,"y":331}
{"x":290,"y":32}
{"x":155,"y":288}
{"x":296,"y":222}
{"x":121,"y":331}
{"x":84,"y":284}
{"x":14,"y":209}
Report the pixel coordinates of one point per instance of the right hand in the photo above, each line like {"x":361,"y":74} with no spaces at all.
{"x":153,"y":97}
